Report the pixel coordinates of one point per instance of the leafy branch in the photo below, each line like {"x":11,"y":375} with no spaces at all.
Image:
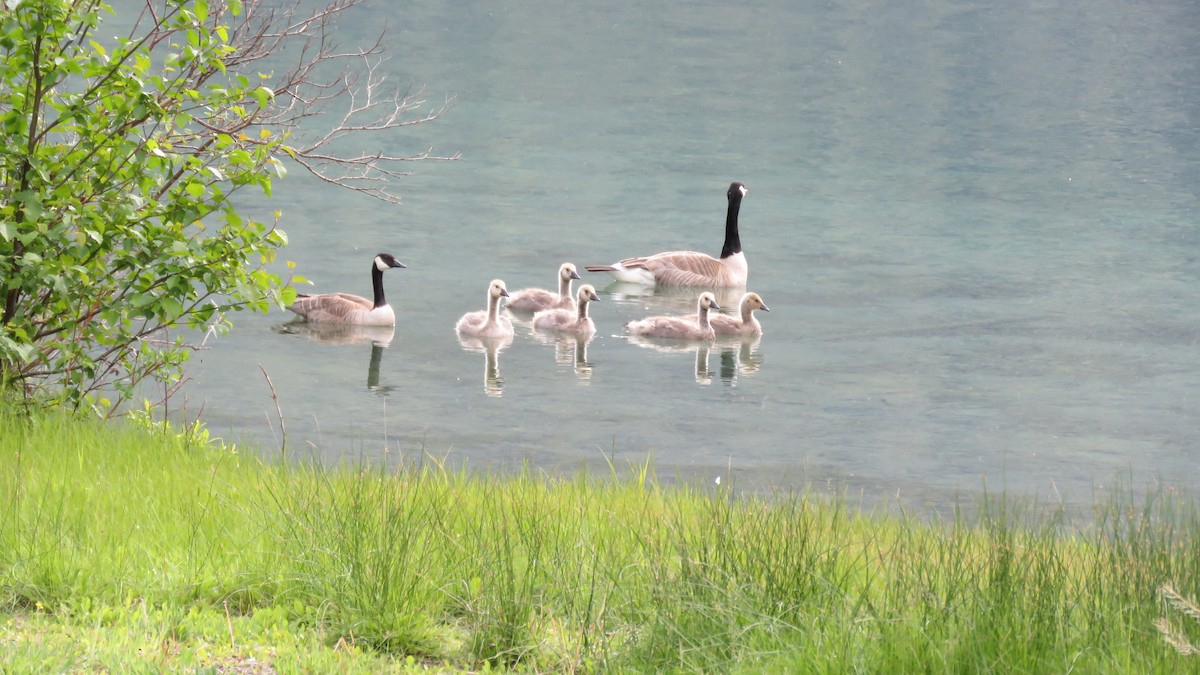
{"x":120,"y":160}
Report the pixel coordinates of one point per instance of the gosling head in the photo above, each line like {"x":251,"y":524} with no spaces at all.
{"x":708,"y":301}
{"x":568,"y":271}
{"x":497,"y":289}
{"x":754,"y":301}
{"x":588,"y":293}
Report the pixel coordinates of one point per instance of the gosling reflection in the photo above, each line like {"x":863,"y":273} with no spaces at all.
{"x":348,"y":334}
{"x":569,"y":350}
{"x":490,"y":347}
{"x":739,"y":356}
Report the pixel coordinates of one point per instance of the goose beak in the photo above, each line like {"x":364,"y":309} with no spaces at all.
{"x":575,"y":275}
{"x":397,"y":263}
{"x":765,"y":308}
{"x":504,"y":292}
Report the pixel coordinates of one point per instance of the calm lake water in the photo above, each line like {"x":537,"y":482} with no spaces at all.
{"x":975,"y":226}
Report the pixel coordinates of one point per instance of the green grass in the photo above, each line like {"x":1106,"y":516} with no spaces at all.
{"x":130,"y":549}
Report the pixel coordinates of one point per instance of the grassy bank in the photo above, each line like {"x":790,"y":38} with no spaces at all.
{"x":128,"y":550}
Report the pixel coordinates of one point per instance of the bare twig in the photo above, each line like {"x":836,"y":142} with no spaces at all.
{"x":292,"y":48}
{"x":369,"y":105}
{"x":278,"y":411}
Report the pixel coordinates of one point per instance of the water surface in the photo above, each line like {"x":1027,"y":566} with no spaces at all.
{"x":975,"y":227}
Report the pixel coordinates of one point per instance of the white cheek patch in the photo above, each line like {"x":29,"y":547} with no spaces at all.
{"x":380,"y":265}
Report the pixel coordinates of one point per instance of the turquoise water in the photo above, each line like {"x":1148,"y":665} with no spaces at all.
{"x":976,"y":228}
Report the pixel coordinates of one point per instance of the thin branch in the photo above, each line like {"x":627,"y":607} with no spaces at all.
{"x":278,"y":410}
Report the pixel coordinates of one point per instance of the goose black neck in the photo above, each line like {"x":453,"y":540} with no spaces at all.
{"x":733,"y":243}
{"x":377,"y":283}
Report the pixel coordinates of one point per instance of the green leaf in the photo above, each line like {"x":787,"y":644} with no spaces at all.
{"x":31,"y":203}
{"x":265,"y":95}
{"x":126,"y":199}
{"x":172,"y":308}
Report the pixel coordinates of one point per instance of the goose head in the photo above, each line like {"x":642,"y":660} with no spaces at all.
{"x":497,"y":290}
{"x":384,"y":261}
{"x":736,"y":191}
{"x":708,"y":301}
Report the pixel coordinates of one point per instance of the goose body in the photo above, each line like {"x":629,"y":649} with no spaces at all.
{"x":692,"y":327}
{"x":487,"y":323}
{"x":691,"y":268}
{"x":575,"y":321}
{"x":345,"y":308}
{"x":530,"y":300}
{"x":747,"y":324}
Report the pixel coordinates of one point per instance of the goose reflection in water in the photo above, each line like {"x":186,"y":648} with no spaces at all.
{"x":490,"y":347}
{"x":348,"y":334}
{"x":668,"y":299}
{"x":569,"y":350}
{"x":739,"y":355}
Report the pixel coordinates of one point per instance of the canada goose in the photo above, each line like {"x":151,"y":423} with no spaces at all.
{"x":487,"y":323}
{"x":574,"y":321}
{"x":747,"y":325}
{"x":530,"y":300}
{"x":693,"y":327}
{"x":351,"y":309}
{"x":690,"y":268}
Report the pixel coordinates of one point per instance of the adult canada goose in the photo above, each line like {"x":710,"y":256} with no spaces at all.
{"x":575,"y":321}
{"x":691,"y":327}
{"x":747,"y":325}
{"x":487,"y":323}
{"x":530,"y":300}
{"x":351,"y":309}
{"x":691,"y":268}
